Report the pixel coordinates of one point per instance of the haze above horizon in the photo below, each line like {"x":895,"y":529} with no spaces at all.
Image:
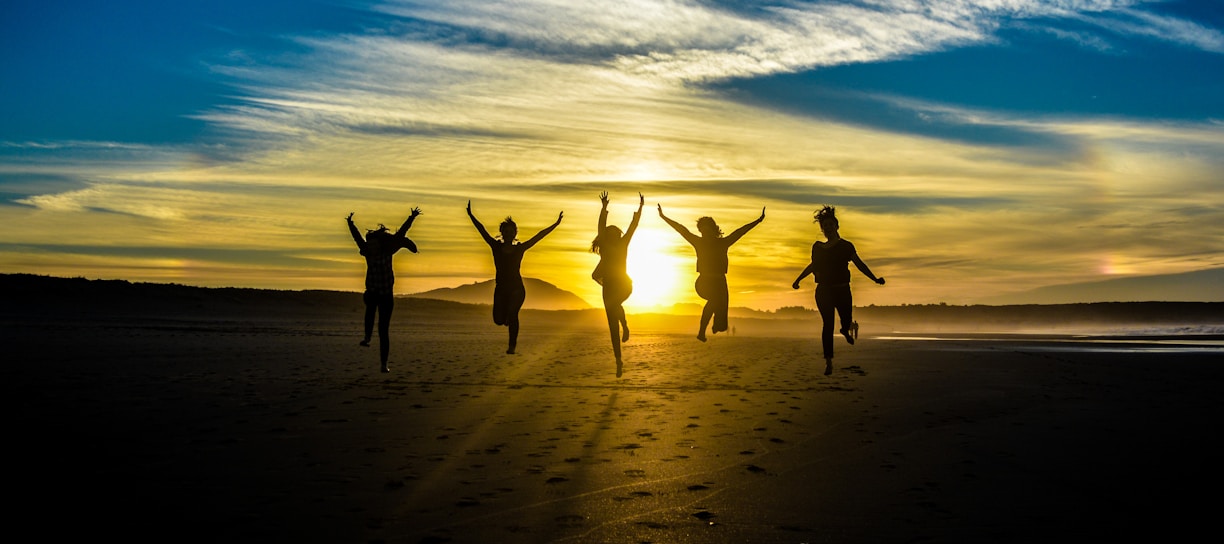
{"x":975,"y":151}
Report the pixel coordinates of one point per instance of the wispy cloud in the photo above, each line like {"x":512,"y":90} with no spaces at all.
{"x":1135,"y":22}
{"x":529,"y":107}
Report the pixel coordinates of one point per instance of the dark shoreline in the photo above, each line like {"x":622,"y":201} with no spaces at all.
{"x":27,"y":296}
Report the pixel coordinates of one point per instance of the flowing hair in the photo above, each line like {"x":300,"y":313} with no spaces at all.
{"x":598,"y":241}
{"x":825,"y":212}
{"x":508,"y":223}
{"x":707,"y":224}
{"x":378,"y":232}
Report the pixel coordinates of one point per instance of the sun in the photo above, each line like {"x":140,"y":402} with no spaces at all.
{"x":656,"y":269}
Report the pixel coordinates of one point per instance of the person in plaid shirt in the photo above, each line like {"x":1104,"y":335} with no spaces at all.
{"x":378,"y":246}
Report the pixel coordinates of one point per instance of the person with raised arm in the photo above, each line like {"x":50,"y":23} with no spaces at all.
{"x":712,"y":265}
{"x":508,"y":291}
{"x":830,"y":267}
{"x":378,"y":246}
{"x":613,"y":249}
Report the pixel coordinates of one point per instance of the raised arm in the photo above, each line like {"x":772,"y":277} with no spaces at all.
{"x":688,"y":236}
{"x":603,"y":213}
{"x":480,"y":228}
{"x":740,"y":232}
{"x":637,"y":216}
{"x":540,"y":235}
{"x":862,"y":266}
{"x":361,"y":243}
{"x":408,"y":222}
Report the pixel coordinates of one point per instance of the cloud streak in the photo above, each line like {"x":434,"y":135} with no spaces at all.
{"x":529,"y":107}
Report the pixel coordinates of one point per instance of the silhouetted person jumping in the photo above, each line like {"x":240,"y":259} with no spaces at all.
{"x":508,"y":291}
{"x":613,"y":250}
{"x":830,"y":267}
{"x":712,"y":265}
{"x":378,"y":247}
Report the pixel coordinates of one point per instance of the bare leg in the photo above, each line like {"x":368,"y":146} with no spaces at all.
{"x":384,"y":331}
{"x":371,"y":307}
{"x":614,"y":332}
{"x":618,"y":327}
{"x":513,"y":323}
{"x":624,"y":324}
{"x":512,"y":304}
{"x":845,"y":309}
{"x":828,"y":312}
{"x":707,"y":312}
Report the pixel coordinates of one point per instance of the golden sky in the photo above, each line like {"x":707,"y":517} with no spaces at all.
{"x":532,"y":108}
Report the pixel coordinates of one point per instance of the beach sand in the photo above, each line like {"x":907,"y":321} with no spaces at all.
{"x":283,"y":430}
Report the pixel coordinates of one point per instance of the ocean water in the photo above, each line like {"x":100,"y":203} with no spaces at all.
{"x":1169,"y":339}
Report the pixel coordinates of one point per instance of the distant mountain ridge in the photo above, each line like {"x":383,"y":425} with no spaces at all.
{"x":27,"y":296}
{"x":1201,"y":285}
{"x":541,"y":295}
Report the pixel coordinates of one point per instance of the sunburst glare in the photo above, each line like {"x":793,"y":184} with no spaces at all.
{"x":656,"y":269}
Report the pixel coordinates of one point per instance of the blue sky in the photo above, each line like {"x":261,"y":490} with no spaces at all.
{"x":976,"y":149}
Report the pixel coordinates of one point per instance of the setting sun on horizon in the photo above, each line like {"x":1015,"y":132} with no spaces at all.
{"x":658,"y":270}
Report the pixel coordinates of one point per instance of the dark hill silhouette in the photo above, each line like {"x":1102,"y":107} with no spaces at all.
{"x":541,"y":295}
{"x":27,"y":296}
{"x":1188,"y":287}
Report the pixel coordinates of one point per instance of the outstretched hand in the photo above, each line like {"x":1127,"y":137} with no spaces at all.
{"x":469,"y":207}
{"x":660,"y":210}
{"x":880,"y":281}
{"x":762,"y":214}
{"x":795,"y":285}
{"x":641,"y":201}
{"x":416,"y":210}
{"x":559,"y":215}
{"x":603,"y":198}
{"x":349,"y":218}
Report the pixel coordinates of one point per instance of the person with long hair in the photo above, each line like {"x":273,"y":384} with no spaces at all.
{"x":830,"y":266}
{"x":712,"y":265}
{"x":613,"y":249}
{"x":509,"y":293}
{"x":378,"y":246}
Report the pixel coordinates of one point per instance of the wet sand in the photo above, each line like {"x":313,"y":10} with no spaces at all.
{"x":245,"y":430}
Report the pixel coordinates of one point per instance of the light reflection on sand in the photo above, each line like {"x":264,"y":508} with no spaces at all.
{"x":1082,"y":344}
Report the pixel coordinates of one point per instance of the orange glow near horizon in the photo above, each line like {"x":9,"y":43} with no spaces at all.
{"x":656,"y":269}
